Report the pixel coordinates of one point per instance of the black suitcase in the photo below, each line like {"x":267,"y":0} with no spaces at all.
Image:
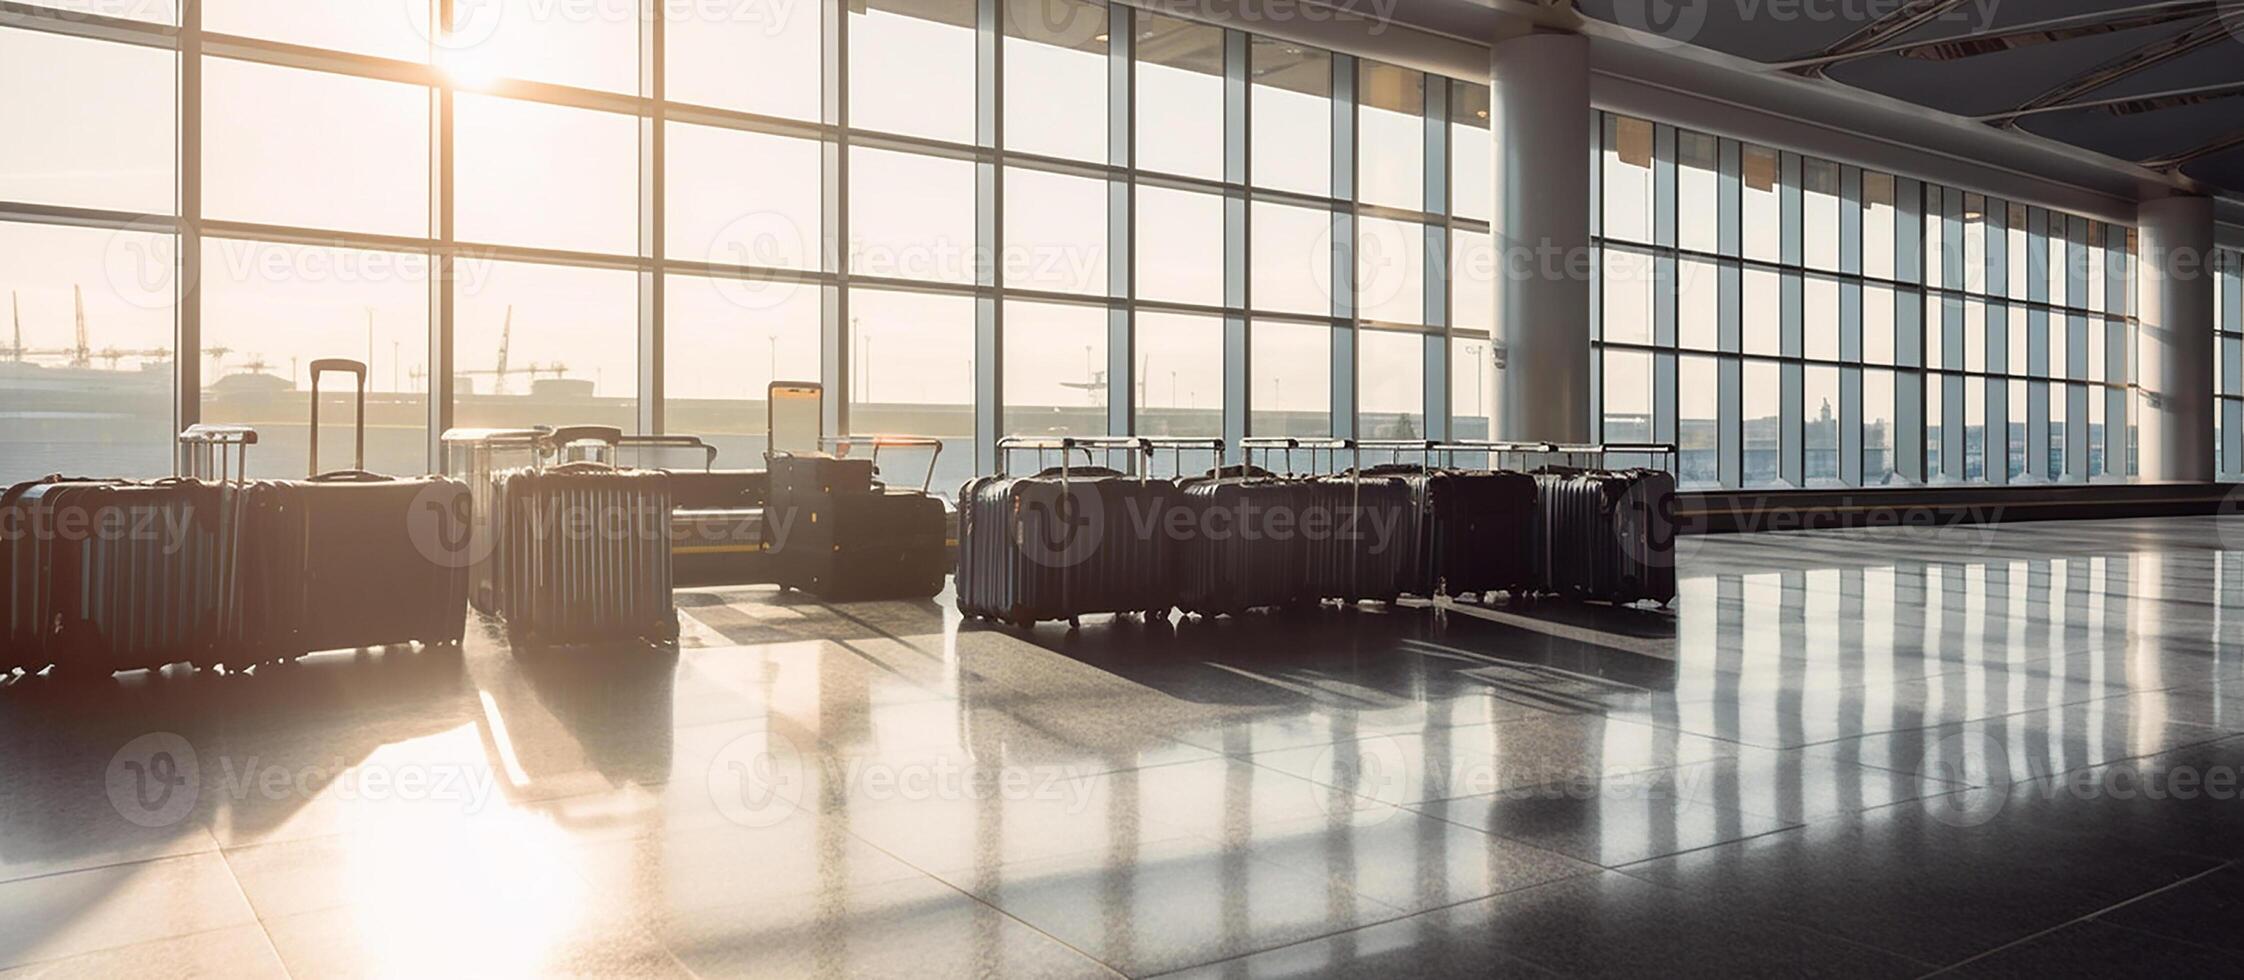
{"x":1065,"y":543}
{"x":1607,"y":535}
{"x":26,"y":595}
{"x":718,"y":489}
{"x":1474,"y":529}
{"x":1360,"y":544}
{"x":127,"y":576}
{"x":583,"y":554}
{"x":1235,"y":559}
{"x":351,"y":559}
{"x":833,"y":532}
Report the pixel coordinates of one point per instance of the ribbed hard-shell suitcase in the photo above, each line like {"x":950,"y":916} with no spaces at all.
{"x":1357,"y":539}
{"x":351,"y":559}
{"x":584,"y":554}
{"x":832,"y":531}
{"x":26,"y":595}
{"x":138,"y":575}
{"x":1607,"y":534}
{"x":1235,"y":557}
{"x":1063,"y":544}
{"x":1474,"y":529}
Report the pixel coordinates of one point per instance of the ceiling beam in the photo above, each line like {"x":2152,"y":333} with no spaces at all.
{"x":2213,"y":29}
{"x":2156,"y":11}
{"x":1909,"y":16}
{"x":2219,"y":144}
{"x":2177,"y":96}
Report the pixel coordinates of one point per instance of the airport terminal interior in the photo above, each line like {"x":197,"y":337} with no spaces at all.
{"x":1235,"y":488}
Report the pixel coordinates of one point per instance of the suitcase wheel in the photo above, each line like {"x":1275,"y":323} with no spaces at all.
{"x":1075,"y":622}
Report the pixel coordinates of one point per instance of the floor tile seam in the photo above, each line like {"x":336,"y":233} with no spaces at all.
{"x":1632,"y":871}
{"x":2076,"y":920}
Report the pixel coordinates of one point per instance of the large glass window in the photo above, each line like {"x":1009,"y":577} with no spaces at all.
{"x":384,"y":30}
{"x":1055,"y":369}
{"x":1390,"y":136}
{"x":743,"y":199}
{"x":1390,"y":271}
{"x":1764,"y":424}
{"x":910,"y":216}
{"x":1819,"y":427}
{"x":1292,"y":117}
{"x":1698,"y":195}
{"x":1628,"y":396}
{"x":100,"y":401}
{"x":912,"y":67}
{"x":270,"y":310}
{"x":1698,"y":429}
{"x":1180,"y":375}
{"x":1763,"y":214}
{"x":278,"y":143}
{"x":1819,"y":206}
{"x":1055,"y":232}
{"x":731,"y":338}
{"x":751,"y":57}
{"x":544,"y":344}
{"x":1468,"y":371}
{"x":1055,"y":78}
{"x":1180,"y":96}
{"x":1472,"y":180}
{"x":914,"y":372}
{"x":1292,"y":265}
{"x":588,"y":45}
{"x":1628,"y":179}
{"x":1391,"y":384}
{"x":1879,"y":464}
{"x":86,"y":123}
{"x":1292,"y":378}
{"x":585,"y":197}
{"x":1179,"y":246}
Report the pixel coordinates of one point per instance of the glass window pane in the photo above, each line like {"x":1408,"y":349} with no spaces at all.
{"x":1975,"y":335}
{"x":1698,"y":306}
{"x":587,"y":45}
{"x":1390,"y":136}
{"x":109,"y":144}
{"x":1879,"y":465}
{"x":1179,"y":246}
{"x":738,"y":198}
{"x":2059,"y":399}
{"x":1698,"y":174}
{"x":274,"y":309}
{"x":1763,"y":223}
{"x":1820,"y":318}
{"x":1628,"y":179}
{"x":1390,"y":271}
{"x":543,"y":344}
{"x":279,"y":142}
{"x":1472,"y":174}
{"x":1975,"y":428}
{"x":2017,"y":349}
{"x":914,"y":372}
{"x":2015,"y":250}
{"x":1391,"y":384}
{"x":1055,"y":369}
{"x":1179,"y":96}
{"x":1975,"y":243}
{"x":1763,"y":422}
{"x":1292,"y":117}
{"x":1472,"y":280}
{"x":2059,"y":280}
{"x":105,"y":407}
{"x":153,"y":11}
{"x":1468,"y":404}
{"x":1292,"y":393}
{"x":753,"y":57}
{"x":1819,"y":213}
{"x":911,"y":67}
{"x":1055,"y":232}
{"x":910,"y":216}
{"x":1877,"y":225}
{"x":1055,"y":78}
{"x":1292,"y":249}
{"x":384,"y":30}
{"x":2060,"y":354}
{"x":1180,"y":375}
{"x":1819,"y":426}
{"x":1698,"y":427}
{"x":2014,"y":434}
{"x":1763,"y":313}
{"x":1625,"y":279}
{"x":1877,"y":324}
{"x":1935,"y":422}
{"x":1628,"y":396}
{"x":728,"y":340}
{"x":1936,"y":233}
{"x":586,"y":197}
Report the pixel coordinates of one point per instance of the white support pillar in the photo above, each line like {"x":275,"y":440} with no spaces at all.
{"x":1539,"y":114}
{"x":2176,"y":307}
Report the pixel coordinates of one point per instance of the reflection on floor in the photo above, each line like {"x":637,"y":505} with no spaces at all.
{"x":1881,"y":752}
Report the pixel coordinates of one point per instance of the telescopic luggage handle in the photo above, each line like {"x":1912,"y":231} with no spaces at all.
{"x":879,"y":442}
{"x":1180,"y":445}
{"x":207,"y":447}
{"x":357,"y":371}
{"x":708,"y":452}
{"x":1065,"y":444}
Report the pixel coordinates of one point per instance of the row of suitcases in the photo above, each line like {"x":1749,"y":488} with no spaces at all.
{"x":1075,"y":540}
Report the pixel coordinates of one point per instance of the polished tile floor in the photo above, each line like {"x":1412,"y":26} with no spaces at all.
{"x":1999,"y":750}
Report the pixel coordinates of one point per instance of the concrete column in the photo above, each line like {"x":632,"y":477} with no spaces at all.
{"x":2176,"y":346}
{"x":1539,"y":115}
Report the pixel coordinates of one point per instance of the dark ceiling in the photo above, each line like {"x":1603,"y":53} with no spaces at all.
{"x":2160,"y":84}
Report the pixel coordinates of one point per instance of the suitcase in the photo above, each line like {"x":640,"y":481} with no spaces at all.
{"x":351,"y":559}
{"x":1360,"y":546}
{"x":26,"y":596}
{"x":718,"y":489}
{"x":1065,"y":543}
{"x":583,"y":554}
{"x":1231,"y":562}
{"x":1474,"y":530}
{"x":1607,"y":535}
{"x":128,"y":576}
{"x":833,"y":532}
